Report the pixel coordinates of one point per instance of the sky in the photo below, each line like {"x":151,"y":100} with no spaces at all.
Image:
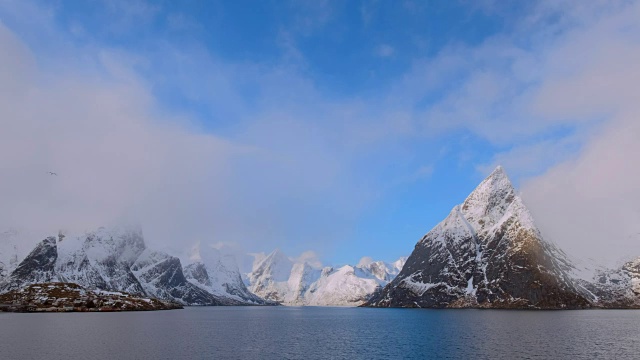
{"x":344,"y":128}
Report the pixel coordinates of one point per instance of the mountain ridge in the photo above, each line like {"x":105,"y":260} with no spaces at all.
{"x":298,"y":283}
{"x":117,"y":259}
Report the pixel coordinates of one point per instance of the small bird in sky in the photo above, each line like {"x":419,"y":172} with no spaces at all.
{"x":52,"y":173}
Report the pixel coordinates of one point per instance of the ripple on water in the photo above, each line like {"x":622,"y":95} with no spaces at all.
{"x":322,"y":333}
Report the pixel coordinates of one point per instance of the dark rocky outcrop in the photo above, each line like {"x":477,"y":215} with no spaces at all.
{"x":37,"y":267}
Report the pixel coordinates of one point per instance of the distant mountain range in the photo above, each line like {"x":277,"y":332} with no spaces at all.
{"x":487,"y":253}
{"x":117,"y":259}
{"x":278,"y":278}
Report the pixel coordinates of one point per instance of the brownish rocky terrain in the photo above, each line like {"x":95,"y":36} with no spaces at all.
{"x":60,"y":297}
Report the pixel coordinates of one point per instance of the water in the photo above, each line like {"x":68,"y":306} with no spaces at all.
{"x":322,"y":333}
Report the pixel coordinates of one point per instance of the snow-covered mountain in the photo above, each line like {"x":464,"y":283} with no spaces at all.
{"x":37,"y":267}
{"x":486,"y":253}
{"x":101,"y":259}
{"x":218,"y":274}
{"x":615,"y":288}
{"x":489,"y":253}
{"x":277,"y":277}
{"x":117,"y":259}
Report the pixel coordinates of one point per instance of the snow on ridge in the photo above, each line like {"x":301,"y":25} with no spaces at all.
{"x":301,"y":283}
{"x":218,"y":273}
{"x":488,"y":202}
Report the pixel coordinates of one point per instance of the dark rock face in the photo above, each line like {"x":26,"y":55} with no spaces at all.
{"x":198,"y":272}
{"x":37,"y":267}
{"x":487,"y":253}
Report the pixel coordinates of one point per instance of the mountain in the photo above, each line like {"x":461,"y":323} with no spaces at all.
{"x":277,"y":277}
{"x":37,"y":267}
{"x":102,"y":259}
{"x":486,"y":253}
{"x":616,"y":288}
{"x":218,"y":274}
{"x":162,"y":276}
{"x":270,"y":276}
{"x":117,"y":259}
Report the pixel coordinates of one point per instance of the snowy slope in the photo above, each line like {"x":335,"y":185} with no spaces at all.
{"x":270,"y":277}
{"x":162,"y":276}
{"x":298,"y":283}
{"x":344,"y":286}
{"x":616,"y":288}
{"x":102,"y":259}
{"x":218,"y":274}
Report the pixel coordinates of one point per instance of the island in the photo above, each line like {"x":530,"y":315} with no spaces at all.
{"x":70,"y":297}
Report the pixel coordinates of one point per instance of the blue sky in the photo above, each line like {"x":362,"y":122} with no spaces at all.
{"x":345,"y":128}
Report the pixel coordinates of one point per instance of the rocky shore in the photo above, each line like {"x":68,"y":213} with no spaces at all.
{"x":70,"y":297}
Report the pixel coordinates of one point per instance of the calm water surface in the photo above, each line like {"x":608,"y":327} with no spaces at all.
{"x":322,"y":333}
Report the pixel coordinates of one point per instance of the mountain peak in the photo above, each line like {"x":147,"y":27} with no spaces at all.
{"x":496,"y":180}
{"x":489,"y":201}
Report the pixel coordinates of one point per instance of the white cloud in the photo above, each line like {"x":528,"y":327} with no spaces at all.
{"x":531,"y":159}
{"x":589,"y":203}
{"x":309,"y":257}
{"x":365,"y":260}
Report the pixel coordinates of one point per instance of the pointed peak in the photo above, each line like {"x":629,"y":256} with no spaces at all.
{"x":50,"y":241}
{"x":497,"y":181}
{"x":488,"y":202}
{"x":498,"y":173}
